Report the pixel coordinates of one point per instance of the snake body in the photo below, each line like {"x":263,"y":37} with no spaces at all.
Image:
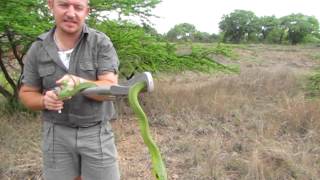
{"x":65,"y":91}
{"x":159,"y":169}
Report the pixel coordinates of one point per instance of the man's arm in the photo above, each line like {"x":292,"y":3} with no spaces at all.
{"x":32,"y":98}
{"x":109,"y":78}
{"x":105,"y":79}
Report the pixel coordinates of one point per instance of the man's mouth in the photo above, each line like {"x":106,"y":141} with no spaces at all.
{"x":68,"y":21}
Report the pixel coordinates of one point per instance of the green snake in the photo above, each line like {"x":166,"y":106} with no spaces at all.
{"x":66,"y":91}
{"x":159,"y":169}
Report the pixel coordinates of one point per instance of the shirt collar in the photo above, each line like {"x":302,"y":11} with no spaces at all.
{"x":44,"y":36}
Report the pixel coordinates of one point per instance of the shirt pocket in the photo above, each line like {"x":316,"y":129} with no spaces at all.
{"x":87,"y":69}
{"x":46,"y":72}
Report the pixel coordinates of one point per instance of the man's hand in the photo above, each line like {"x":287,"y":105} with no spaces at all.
{"x":69,"y":80}
{"x":32,"y":98}
{"x":51,"y":101}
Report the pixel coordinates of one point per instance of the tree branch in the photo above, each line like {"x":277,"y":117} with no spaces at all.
{"x":6,"y":74}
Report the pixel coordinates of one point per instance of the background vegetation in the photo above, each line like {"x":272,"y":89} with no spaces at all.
{"x":255,"y":119}
{"x":139,"y":46}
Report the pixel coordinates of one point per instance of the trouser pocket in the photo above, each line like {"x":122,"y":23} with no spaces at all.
{"x":48,"y":144}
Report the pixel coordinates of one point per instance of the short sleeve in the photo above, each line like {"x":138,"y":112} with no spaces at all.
{"x":107,"y":56}
{"x":30,"y":75}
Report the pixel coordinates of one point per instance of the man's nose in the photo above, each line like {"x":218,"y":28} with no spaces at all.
{"x":71,"y":13}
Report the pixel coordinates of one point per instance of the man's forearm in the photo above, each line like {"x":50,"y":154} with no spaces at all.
{"x":31,"y":99}
{"x":103,"y":80}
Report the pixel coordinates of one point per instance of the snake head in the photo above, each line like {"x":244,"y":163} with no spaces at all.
{"x":64,"y":91}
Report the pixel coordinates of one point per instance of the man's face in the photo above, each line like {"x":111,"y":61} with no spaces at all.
{"x":69,"y":15}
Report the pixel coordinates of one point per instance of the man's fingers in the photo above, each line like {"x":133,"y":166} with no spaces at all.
{"x":71,"y":80}
{"x":51,"y":101}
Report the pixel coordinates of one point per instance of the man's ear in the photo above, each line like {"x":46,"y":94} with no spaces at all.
{"x":88,"y":10}
{"x":50,"y":4}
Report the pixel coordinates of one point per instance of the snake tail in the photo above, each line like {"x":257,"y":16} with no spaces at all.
{"x":158,"y":166}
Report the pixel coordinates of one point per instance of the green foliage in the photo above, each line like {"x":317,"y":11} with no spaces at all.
{"x":186,"y":32}
{"x":225,"y":50}
{"x":299,"y":26}
{"x":20,"y":23}
{"x":268,"y":25}
{"x":139,"y":51}
{"x":315,"y":56}
{"x":4,"y":83}
{"x":204,"y":54}
{"x":137,"y":8}
{"x":199,"y":60}
{"x":204,"y":37}
{"x":238,"y":26}
{"x":182,"y":32}
{"x":275,"y":36}
{"x":310,"y":38}
{"x":26,"y":19}
{"x":12,"y":106}
{"x":139,"y":48}
{"x":243,"y":26}
{"x":313,"y":85}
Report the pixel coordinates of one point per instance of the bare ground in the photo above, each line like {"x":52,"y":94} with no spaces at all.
{"x":258,"y":124}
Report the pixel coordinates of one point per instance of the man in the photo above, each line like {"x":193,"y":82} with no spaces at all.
{"x":77,"y":137}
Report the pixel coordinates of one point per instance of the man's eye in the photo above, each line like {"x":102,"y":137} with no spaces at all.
{"x":64,"y":5}
{"x":78,"y":8}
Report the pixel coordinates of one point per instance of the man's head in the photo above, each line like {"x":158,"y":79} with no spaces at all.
{"x":69,"y":15}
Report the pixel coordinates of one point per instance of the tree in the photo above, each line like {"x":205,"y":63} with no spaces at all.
{"x":238,"y":26}
{"x":268,"y":24}
{"x":20,"y":23}
{"x":299,"y":26}
{"x":182,"y":32}
{"x":100,"y":9}
{"x":152,"y":31}
{"x":205,"y":37}
{"x":139,"y":51}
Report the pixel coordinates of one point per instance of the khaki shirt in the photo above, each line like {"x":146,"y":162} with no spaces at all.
{"x":93,"y":55}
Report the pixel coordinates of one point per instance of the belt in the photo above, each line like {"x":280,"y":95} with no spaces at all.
{"x":77,"y":126}
{"x":86,"y":126}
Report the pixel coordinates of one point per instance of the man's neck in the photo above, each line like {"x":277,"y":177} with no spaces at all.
{"x":66,"y":41}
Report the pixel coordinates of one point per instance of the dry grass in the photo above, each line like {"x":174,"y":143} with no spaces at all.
{"x":254,"y":125}
{"x":20,"y":152}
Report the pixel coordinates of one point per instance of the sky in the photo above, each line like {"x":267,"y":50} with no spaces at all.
{"x":205,"y":15}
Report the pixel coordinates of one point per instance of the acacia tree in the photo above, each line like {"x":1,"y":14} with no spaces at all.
{"x":101,"y":9}
{"x":22,"y":21}
{"x":182,"y":32}
{"x":268,"y":24}
{"x":238,"y":26}
{"x":299,"y":26}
